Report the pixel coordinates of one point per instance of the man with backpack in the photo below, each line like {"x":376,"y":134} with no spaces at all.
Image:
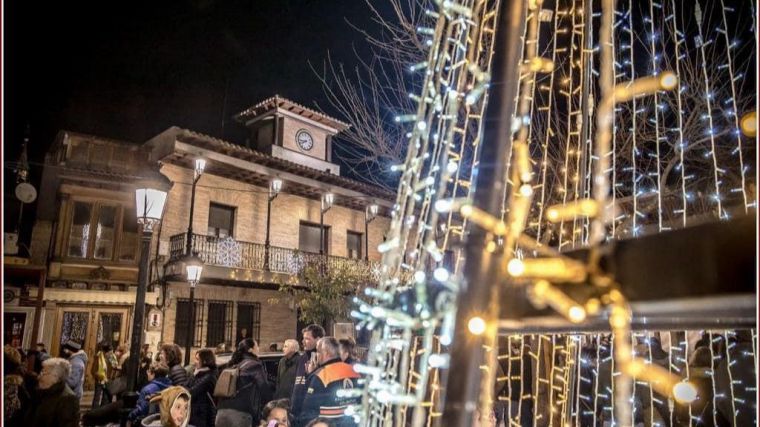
{"x":243,"y":389}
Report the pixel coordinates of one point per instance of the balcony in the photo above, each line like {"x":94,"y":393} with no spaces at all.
{"x":235,"y":254}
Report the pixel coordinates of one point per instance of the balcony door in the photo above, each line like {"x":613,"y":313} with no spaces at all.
{"x":308,"y":238}
{"x":221,"y":220}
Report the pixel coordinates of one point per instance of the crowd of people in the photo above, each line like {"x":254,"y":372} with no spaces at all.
{"x":45,"y":391}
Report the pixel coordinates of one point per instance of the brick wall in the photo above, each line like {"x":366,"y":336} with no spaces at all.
{"x":251,"y":210}
{"x":278,"y":321}
{"x":291,"y":126}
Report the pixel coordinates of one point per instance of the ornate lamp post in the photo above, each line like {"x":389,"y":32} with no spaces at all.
{"x":150,"y":202}
{"x":370,"y":213}
{"x":194,"y":268}
{"x":274,"y":189}
{"x":327,"y":202}
{"x":193,"y":264}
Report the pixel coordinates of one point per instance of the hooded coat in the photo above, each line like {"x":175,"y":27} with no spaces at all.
{"x":56,"y":406}
{"x":166,"y":399}
{"x":143,"y":405}
{"x":75,"y":381}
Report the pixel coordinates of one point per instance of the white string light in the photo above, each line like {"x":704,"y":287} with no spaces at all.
{"x":735,"y":112}
{"x":634,"y":112}
{"x":681,"y":146}
{"x":708,"y":102}
{"x":655,"y":71}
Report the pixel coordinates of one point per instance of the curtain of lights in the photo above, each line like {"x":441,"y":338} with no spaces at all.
{"x":628,"y":122}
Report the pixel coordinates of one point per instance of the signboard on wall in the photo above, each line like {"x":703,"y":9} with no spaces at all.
{"x":343,"y":330}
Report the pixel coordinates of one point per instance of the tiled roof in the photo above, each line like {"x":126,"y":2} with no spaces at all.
{"x":279,"y":102}
{"x":258,"y":157}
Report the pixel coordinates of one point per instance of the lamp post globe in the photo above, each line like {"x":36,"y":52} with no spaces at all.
{"x":194,"y":269}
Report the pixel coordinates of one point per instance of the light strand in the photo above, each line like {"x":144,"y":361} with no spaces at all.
{"x":708,"y":103}
{"x":735,"y":111}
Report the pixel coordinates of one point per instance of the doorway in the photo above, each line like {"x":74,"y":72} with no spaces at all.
{"x":14,"y":327}
{"x":90,"y":327}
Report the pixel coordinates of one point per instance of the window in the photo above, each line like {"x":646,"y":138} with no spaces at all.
{"x":354,"y":244}
{"x":219,"y":323}
{"x":182,"y":322}
{"x":129,"y":237}
{"x":308,"y":238}
{"x":79,"y":235}
{"x":105,"y":232}
{"x":221,"y":220}
{"x":248,"y":321}
{"x":102,"y":231}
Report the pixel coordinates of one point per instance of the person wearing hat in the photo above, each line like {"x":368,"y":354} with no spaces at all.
{"x":78,"y":359}
{"x":174,"y":404}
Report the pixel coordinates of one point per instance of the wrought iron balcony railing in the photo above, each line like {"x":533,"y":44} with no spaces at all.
{"x":227,"y":252}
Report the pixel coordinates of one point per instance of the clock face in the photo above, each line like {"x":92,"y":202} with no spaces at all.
{"x":304,"y":140}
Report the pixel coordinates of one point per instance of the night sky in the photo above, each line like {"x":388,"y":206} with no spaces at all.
{"x":129,"y":71}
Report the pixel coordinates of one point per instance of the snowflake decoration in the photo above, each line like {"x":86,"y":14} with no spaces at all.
{"x":228,"y":252}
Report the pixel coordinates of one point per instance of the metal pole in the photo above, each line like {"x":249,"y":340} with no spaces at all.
{"x":321,"y":231}
{"x":139,"y":316}
{"x":479,"y":293}
{"x":189,"y":245}
{"x":266,"y":243}
{"x":191,"y":330}
{"x":366,"y":239}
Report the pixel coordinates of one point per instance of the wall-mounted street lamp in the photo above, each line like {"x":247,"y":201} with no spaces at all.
{"x":370,"y":213}
{"x":327,"y":202}
{"x":274,"y":190}
{"x":200,"y":166}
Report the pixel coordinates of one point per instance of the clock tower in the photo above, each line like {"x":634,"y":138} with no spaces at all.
{"x":286,"y":130}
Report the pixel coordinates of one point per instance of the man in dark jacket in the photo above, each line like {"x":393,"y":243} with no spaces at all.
{"x":311,"y":334}
{"x":286,"y":370}
{"x":322,"y":386}
{"x":251,"y":390}
{"x":56,"y":405}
